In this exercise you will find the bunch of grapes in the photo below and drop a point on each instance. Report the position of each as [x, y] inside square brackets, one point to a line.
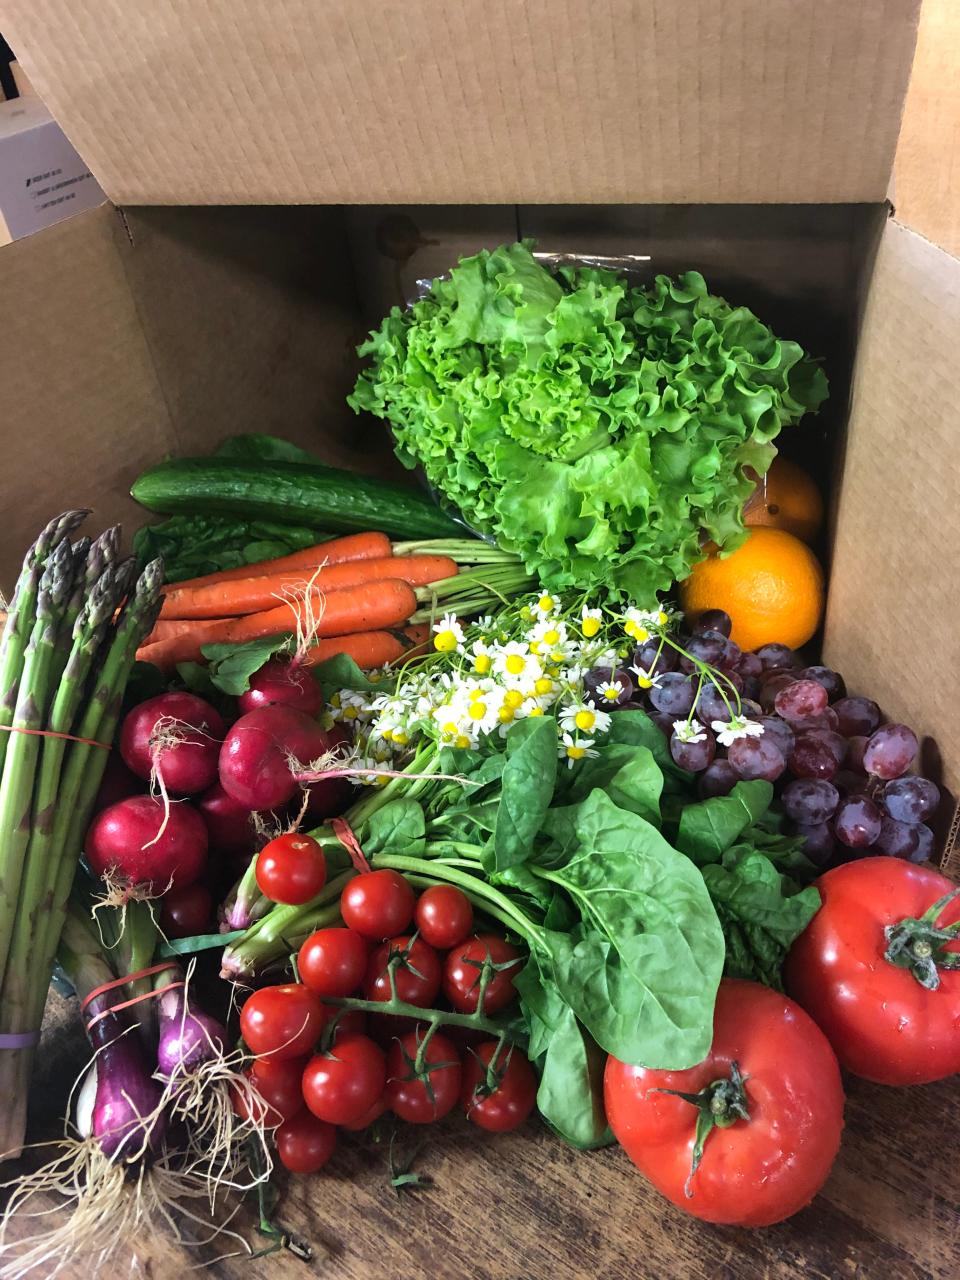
[841, 773]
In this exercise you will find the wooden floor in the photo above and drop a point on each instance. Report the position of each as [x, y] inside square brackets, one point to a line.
[525, 1207]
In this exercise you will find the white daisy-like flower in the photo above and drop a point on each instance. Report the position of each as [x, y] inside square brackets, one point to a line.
[514, 663]
[482, 657]
[610, 691]
[544, 606]
[591, 620]
[645, 679]
[547, 635]
[689, 730]
[736, 727]
[486, 623]
[575, 749]
[639, 624]
[483, 702]
[449, 634]
[583, 717]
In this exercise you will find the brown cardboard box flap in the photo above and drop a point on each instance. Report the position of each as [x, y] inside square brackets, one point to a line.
[433, 101]
[892, 610]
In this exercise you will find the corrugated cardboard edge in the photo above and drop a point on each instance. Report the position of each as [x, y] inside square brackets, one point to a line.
[475, 101]
[891, 622]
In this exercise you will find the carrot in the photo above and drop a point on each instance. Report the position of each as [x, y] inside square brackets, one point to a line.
[250, 595]
[367, 648]
[372, 606]
[186, 646]
[355, 546]
[167, 628]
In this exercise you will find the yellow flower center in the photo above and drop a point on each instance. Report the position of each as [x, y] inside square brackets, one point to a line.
[450, 727]
[543, 685]
[381, 780]
[481, 664]
[584, 720]
[545, 604]
[552, 636]
[400, 738]
[557, 655]
[535, 646]
[536, 711]
[611, 694]
[644, 682]
[506, 714]
[590, 627]
[462, 741]
[350, 713]
[515, 664]
[513, 698]
[445, 641]
[576, 753]
[476, 695]
[477, 710]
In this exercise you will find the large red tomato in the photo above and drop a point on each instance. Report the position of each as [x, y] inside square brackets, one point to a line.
[747, 1136]
[875, 969]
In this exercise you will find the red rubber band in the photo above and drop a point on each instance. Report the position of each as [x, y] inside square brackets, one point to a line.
[122, 982]
[344, 832]
[51, 733]
[146, 995]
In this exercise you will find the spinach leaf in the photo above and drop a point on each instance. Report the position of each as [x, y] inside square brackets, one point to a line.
[399, 827]
[232, 665]
[341, 672]
[527, 784]
[636, 729]
[628, 774]
[760, 911]
[541, 1003]
[784, 851]
[641, 970]
[193, 545]
[570, 1097]
[707, 829]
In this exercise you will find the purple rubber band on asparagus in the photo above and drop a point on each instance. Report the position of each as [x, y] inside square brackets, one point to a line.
[19, 1039]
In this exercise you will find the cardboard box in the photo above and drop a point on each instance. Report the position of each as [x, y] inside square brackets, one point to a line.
[753, 140]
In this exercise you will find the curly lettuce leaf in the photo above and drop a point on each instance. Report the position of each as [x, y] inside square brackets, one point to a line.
[596, 429]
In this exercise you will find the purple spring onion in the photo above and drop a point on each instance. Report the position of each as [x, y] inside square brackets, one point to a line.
[188, 1036]
[126, 1116]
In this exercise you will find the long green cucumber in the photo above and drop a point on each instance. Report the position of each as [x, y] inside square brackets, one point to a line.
[293, 493]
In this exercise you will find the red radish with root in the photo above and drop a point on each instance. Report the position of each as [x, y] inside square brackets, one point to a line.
[148, 846]
[230, 825]
[283, 682]
[174, 738]
[265, 753]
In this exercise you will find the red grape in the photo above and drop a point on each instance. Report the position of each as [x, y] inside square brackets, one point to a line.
[890, 751]
[664, 723]
[855, 749]
[924, 844]
[707, 646]
[800, 700]
[674, 695]
[831, 680]
[718, 779]
[661, 657]
[710, 705]
[857, 822]
[819, 843]
[777, 657]
[835, 741]
[810, 800]
[713, 620]
[771, 685]
[911, 799]
[780, 732]
[857, 716]
[850, 780]
[812, 758]
[897, 839]
[693, 756]
[748, 664]
[756, 758]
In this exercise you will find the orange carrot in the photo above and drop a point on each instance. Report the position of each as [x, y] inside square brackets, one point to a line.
[186, 646]
[167, 628]
[367, 648]
[355, 546]
[372, 606]
[250, 595]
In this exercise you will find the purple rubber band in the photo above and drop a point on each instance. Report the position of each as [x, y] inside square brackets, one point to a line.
[19, 1039]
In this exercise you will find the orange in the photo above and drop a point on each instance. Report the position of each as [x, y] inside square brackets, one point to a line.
[786, 498]
[772, 588]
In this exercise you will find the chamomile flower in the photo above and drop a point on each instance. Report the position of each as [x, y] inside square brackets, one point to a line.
[449, 634]
[482, 657]
[584, 717]
[645, 678]
[575, 749]
[737, 727]
[591, 620]
[639, 624]
[689, 730]
[515, 663]
[544, 606]
[548, 638]
[610, 691]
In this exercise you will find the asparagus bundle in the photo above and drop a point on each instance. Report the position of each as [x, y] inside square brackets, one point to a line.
[74, 625]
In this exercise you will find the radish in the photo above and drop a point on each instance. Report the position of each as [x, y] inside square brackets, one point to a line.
[147, 845]
[176, 738]
[283, 682]
[260, 757]
[328, 798]
[117, 784]
[229, 824]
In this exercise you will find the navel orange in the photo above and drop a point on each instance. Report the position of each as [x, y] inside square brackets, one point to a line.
[772, 588]
[786, 498]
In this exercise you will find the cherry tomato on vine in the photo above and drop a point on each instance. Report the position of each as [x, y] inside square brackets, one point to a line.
[874, 969]
[291, 869]
[341, 1085]
[368, 1117]
[350, 1022]
[252, 1108]
[444, 916]
[421, 1092]
[282, 1022]
[278, 1083]
[746, 1137]
[377, 904]
[305, 1144]
[417, 973]
[499, 1089]
[332, 962]
[187, 911]
[464, 969]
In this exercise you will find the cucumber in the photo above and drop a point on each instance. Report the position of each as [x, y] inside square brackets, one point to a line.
[292, 493]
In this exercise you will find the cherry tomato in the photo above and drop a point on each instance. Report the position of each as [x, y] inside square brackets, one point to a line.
[291, 869]
[278, 1083]
[464, 968]
[343, 1084]
[887, 1006]
[187, 911]
[444, 916]
[503, 1101]
[305, 1144]
[368, 1117]
[251, 1107]
[350, 1022]
[417, 974]
[422, 1096]
[378, 904]
[282, 1022]
[770, 1082]
[332, 962]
